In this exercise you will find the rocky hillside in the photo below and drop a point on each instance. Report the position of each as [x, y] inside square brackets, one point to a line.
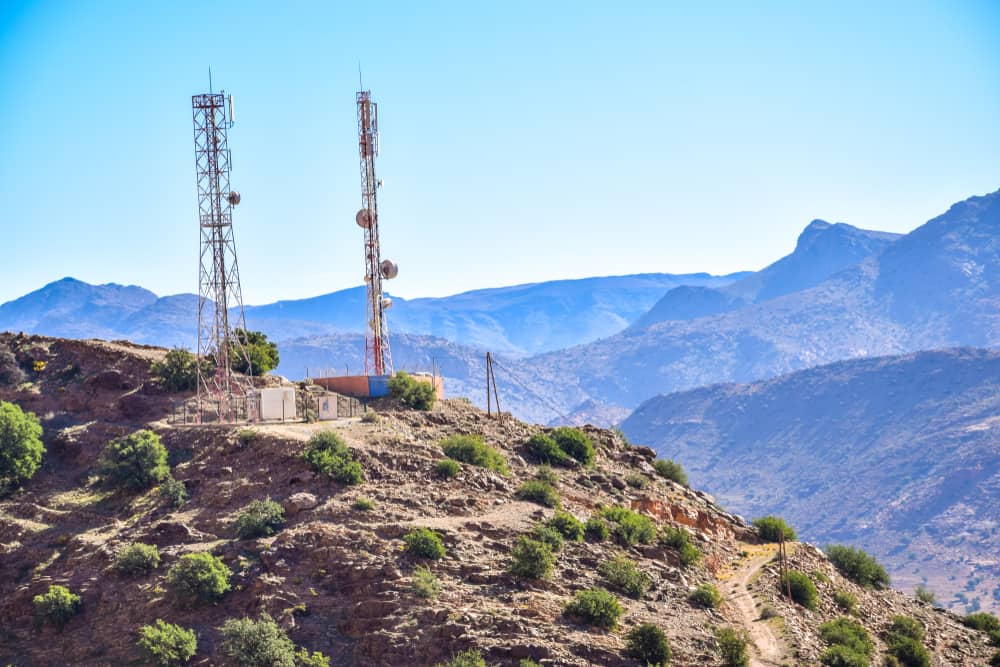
[336, 576]
[899, 454]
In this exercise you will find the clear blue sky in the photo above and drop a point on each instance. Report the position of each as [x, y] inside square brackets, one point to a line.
[520, 141]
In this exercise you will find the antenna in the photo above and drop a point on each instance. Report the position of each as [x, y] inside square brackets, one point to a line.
[210, 79]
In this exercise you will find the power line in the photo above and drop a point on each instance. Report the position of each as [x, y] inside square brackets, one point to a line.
[548, 403]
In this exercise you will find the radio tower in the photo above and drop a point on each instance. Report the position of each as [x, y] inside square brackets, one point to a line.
[219, 276]
[378, 359]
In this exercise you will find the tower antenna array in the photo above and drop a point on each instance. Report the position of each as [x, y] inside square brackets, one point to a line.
[219, 276]
[378, 359]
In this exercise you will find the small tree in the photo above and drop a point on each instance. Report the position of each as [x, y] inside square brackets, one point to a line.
[424, 543]
[56, 606]
[531, 559]
[648, 645]
[411, 392]
[259, 355]
[671, 470]
[595, 607]
[174, 492]
[21, 446]
[136, 461]
[260, 643]
[167, 645]
[771, 528]
[178, 371]
[198, 578]
[327, 453]
[261, 518]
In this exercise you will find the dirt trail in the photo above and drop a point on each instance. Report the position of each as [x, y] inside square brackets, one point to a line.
[767, 650]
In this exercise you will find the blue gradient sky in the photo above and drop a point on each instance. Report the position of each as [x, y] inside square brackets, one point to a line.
[521, 141]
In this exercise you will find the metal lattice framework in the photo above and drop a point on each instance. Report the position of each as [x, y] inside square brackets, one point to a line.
[378, 358]
[219, 276]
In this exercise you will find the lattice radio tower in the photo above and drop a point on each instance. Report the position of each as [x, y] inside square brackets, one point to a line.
[219, 276]
[378, 359]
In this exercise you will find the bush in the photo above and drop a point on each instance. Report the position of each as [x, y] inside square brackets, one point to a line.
[567, 525]
[925, 594]
[670, 470]
[166, 644]
[909, 652]
[678, 538]
[21, 445]
[56, 606]
[803, 589]
[469, 658]
[327, 454]
[839, 655]
[983, 622]
[858, 566]
[252, 353]
[637, 481]
[424, 543]
[732, 646]
[547, 475]
[261, 518]
[247, 436]
[995, 659]
[705, 596]
[846, 601]
[363, 504]
[622, 573]
[575, 443]
[448, 468]
[904, 626]
[772, 527]
[852, 636]
[548, 535]
[137, 558]
[174, 492]
[10, 370]
[370, 417]
[136, 461]
[531, 559]
[648, 645]
[595, 607]
[425, 584]
[178, 371]
[412, 393]
[472, 449]
[545, 450]
[198, 578]
[260, 643]
[596, 529]
[539, 492]
[316, 659]
[630, 527]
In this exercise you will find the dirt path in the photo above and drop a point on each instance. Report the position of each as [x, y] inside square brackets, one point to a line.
[767, 650]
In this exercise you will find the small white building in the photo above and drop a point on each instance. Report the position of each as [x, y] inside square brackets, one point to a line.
[277, 403]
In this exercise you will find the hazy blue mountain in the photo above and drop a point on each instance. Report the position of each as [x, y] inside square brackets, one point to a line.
[898, 454]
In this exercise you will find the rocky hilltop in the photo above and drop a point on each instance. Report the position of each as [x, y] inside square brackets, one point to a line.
[337, 577]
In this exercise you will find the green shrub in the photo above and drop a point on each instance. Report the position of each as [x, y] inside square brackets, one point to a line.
[858, 566]
[245, 436]
[630, 527]
[839, 655]
[706, 596]
[909, 652]
[167, 645]
[850, 634]
[548, 535]
[596, 529]
[995, 659]
[56, 606]
[174, 492]
[261, 518]
[198, 578]
[670, 470]
[424, 543]
[803, 589]
[137, 558]
[327, 454]
[983, 622]
[732, 644]
[574, 443]
[370, 417]
[539, 492]
[925, 594]
[178, 371]
[567, 525]
[846, 601]
[528, 662]
[648, 645]
[21, 445]
[531, 559]
[425, 584]
[637, 481]
[547, 475]
[260, 643]
[411, 392]
[678, 538]
[136, 461]
[315, 659]
[363, 504]
[448, 468]
[772, 527]
[544, 449]
[252, 353]
[469, 658]
[471, 449]
[622, 573]
[904, 626]
[596, 607]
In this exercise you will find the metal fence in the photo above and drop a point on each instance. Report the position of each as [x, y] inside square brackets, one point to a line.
[309, 407]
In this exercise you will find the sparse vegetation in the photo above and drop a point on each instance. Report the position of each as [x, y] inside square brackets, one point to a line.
[198, 578]
[10, 370]
[637, 481]
[648, 645]
[846, 602]
[370, 417]
[471, 449]
[547, 475]
[904, 639]
[622, 573]
[425, 583]
[21, 445]
[247, 435]
[411, 392]
[167, 645]
[252, 353]
[678, 538]
[671, 470]
[984, 622]
[448, 468]
[174, 492]
[706, 596]
[303, 658]
[363, 504]
[849, 643]
[630, 527]
[567, 525]
[257, 643]
[574, 443]
[531, 559]
[537, 491]
[771, 528]
[424, 543]
[596, 607]
[137, 558]
[136, 461]
[925, 594]
[548, 535]
[596, 529]
[858, 566]
[327, 454]
[178, 371]
[261, 518]
[732, 645]
[545, 450]
[469, 658]
[803, 589]
[57, 606]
